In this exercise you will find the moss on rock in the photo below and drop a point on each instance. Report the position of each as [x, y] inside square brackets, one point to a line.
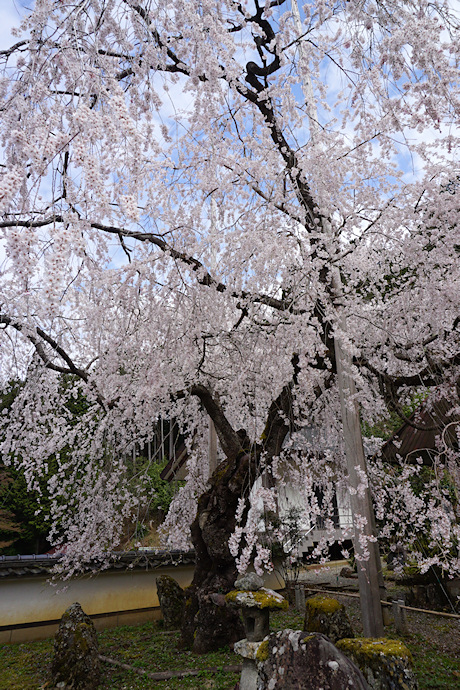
[325, 603]
[262, 652]
[290, 659]
[172, 601]
[76, 655]
[369, 647]
[261, 599]
[328, 616]
[385, 663]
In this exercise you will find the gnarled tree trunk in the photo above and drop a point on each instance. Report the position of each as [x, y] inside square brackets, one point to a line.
[209, 623]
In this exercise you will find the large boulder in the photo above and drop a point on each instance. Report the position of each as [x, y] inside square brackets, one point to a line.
[75, 664]
[172, 601]
[295, 660]
[386, 664]
[328, 616]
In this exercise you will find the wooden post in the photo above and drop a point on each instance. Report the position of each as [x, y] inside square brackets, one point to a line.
[369, 570]
[300, 598]
[171, 439]
[399, 615]
[370, 577]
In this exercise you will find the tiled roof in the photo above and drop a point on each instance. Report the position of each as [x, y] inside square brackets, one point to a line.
[41, 564]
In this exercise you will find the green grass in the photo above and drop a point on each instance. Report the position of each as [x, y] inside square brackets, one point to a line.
[25, 666]
[436, 671]
[146, 647]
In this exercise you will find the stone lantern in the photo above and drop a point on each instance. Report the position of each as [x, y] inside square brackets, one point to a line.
[255, 602]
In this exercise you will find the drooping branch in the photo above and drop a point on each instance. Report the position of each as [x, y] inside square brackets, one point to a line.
[203, 275]
[280, 417]
[263, 103]
[36, 335]
[300, 185]
[429, 376]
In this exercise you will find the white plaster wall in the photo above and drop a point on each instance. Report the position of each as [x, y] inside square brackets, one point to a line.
[33, 599]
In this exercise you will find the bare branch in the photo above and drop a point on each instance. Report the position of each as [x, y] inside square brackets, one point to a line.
[11, 50]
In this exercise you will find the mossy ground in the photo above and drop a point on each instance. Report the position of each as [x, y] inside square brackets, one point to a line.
[25, 666]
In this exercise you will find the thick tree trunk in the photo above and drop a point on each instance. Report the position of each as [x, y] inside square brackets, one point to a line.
[209, 623]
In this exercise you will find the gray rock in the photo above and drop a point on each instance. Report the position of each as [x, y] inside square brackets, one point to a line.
[172, 601]
[295, 660]
[328, 616]
[218, 599]
[386, 664]
[247, 649]
[75, 664]
[250, 582]
[348, 572]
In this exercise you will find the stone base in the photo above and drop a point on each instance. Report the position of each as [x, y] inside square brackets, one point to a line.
[248, 680]
[326, 615]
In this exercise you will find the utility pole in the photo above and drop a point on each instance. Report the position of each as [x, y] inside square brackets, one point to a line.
[370, 578]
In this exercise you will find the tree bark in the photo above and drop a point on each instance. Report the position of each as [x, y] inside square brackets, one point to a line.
[209, 623]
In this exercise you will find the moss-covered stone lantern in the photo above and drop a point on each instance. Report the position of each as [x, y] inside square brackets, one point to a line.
[255, 602]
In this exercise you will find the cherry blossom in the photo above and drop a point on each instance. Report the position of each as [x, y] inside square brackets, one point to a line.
[165, 190]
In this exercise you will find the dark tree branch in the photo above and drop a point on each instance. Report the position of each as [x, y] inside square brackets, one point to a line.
[11, 50]
[229, 439]
[31, 334]
[389, 386]
[37, 336]
[280, 418]
[203, 275]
